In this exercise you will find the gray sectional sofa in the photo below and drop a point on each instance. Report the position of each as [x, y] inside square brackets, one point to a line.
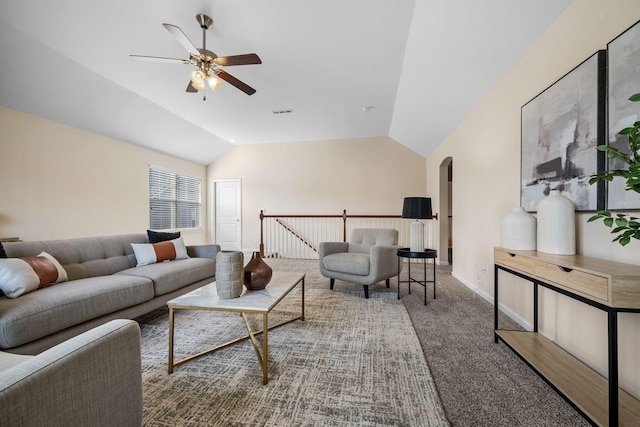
[103, 284]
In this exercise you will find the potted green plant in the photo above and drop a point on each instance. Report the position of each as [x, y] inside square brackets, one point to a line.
[625, 227]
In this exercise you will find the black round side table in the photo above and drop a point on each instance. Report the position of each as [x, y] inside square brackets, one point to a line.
[424, 256]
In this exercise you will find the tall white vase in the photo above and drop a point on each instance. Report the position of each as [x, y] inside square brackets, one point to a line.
[519, 231]
[556, 225]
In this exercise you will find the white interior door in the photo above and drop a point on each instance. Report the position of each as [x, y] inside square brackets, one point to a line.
[228, 217]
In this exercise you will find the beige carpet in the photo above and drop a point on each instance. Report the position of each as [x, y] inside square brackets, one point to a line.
[352, 362]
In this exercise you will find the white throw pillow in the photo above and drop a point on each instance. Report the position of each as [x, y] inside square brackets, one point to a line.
[21, 275]
[151, 253]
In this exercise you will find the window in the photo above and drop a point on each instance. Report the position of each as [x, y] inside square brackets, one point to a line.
[174, 200]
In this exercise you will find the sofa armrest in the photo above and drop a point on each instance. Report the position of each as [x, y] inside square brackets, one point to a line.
[328, 248]
[93, 379]
[384, 261]
[203, 251]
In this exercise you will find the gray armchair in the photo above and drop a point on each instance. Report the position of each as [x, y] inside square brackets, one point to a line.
[369, 257]
[93, 379]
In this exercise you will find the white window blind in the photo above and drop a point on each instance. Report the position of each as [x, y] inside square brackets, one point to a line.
[174, 200]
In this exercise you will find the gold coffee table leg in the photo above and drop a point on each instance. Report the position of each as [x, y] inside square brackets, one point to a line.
[262, 357]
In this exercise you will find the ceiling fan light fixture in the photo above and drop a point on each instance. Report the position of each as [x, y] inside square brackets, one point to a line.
[197, 79]
[213, 82]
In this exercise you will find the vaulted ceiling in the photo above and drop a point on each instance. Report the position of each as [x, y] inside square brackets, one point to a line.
[408, 69]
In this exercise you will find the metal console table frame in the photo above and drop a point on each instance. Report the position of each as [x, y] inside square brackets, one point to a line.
[617, 400]
[424, 256]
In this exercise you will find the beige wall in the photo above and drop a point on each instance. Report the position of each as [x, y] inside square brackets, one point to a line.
[486, 179]
[58, 182]
[363, 176]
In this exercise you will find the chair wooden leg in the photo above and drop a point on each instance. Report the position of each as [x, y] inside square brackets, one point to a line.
[387, 283]
[366, 291]
[331, 281]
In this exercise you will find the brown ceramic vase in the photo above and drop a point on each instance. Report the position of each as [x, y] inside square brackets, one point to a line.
[257, 273]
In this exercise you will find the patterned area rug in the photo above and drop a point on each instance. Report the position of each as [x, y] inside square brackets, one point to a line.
[353, 361]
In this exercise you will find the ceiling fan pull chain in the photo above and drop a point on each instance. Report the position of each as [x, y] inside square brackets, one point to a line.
[204, 89]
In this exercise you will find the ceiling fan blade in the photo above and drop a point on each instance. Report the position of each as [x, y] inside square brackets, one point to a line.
[190, 88]
[183, 39]
[247, 59]
[160, 59]
[235, 82]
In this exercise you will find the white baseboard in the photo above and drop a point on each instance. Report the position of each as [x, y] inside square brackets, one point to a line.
[520, 321]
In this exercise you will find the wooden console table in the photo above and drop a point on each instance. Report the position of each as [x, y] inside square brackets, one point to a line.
[609, 286]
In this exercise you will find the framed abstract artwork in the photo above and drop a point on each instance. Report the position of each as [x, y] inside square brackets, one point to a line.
[561, 128]
[623, 55]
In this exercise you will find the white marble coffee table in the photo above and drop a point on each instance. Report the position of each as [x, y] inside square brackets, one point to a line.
[251, 302]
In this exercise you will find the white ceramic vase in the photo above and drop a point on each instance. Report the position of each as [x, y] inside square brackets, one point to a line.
[556, 225]
[229, 274]
[519, 231]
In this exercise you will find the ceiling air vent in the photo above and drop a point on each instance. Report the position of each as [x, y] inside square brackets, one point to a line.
[287, 111]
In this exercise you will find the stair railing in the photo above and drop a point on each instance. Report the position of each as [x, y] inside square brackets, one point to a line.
[298, 236]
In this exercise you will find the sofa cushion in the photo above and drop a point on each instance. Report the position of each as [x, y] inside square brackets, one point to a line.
[21, 275]
[10, 360]
[52, 309]
[169, 276]
[348, 262]
[151, 253]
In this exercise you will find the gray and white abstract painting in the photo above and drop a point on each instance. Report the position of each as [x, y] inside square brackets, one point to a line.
[623, 81]
[561, 128]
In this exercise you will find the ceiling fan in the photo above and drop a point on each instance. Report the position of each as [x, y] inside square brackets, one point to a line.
[205, 61]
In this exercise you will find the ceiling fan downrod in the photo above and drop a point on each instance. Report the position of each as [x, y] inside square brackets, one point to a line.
[205, 22]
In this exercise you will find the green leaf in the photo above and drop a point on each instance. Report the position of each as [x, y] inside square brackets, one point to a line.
[625, 241]
[635, 97]
[608, 222]
[621, 222]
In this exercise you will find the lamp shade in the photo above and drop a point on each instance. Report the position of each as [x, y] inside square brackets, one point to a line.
[417, 207]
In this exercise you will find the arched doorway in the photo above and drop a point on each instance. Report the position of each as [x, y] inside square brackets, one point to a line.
[446, 223]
